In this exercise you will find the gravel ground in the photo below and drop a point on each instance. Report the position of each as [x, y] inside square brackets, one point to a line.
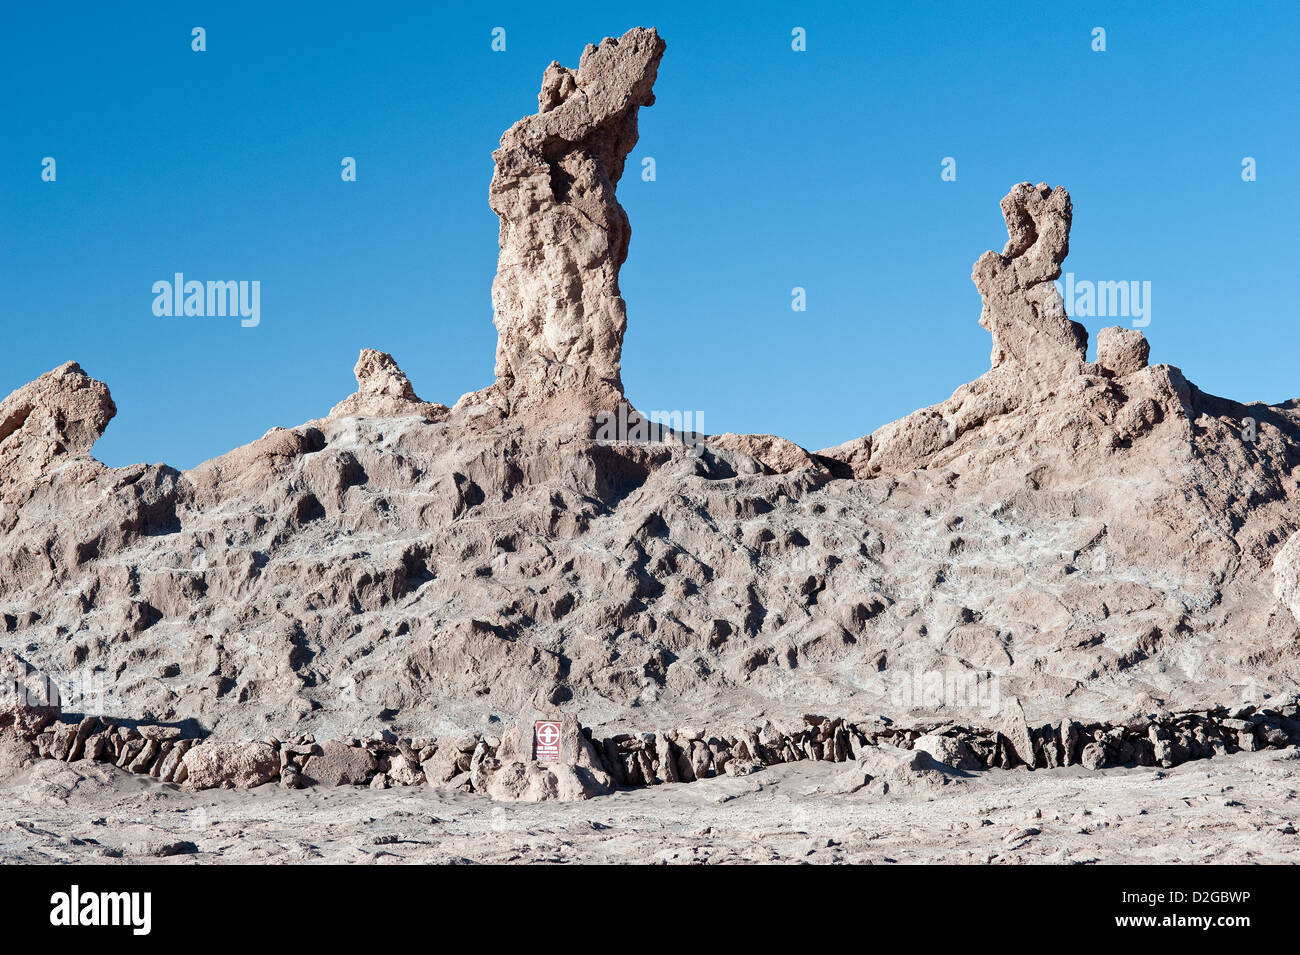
[1234, 809]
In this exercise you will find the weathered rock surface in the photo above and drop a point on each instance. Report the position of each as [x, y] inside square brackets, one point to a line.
[1122, 351]
[777, 454]
[339, 765]
[949, 751]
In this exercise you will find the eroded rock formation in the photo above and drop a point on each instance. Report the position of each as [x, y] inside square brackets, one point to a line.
[1022, 309]
[383, 390]
[1101, 539]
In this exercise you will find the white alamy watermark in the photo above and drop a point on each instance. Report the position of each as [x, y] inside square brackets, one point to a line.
[1085, 298]
[74, 908]
[29, 690]
[944, 689]
[194, 299]
[83, 690]
[654, 427]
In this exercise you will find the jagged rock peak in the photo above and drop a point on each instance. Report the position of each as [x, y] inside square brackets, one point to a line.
[383, 390]
[1022, 309]
[62, 413]
[559, 315]
[377, 374]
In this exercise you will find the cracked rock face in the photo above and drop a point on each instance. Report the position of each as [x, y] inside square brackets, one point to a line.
[560, 317]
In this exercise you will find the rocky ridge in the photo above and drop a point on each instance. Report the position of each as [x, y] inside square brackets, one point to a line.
[1100, 539]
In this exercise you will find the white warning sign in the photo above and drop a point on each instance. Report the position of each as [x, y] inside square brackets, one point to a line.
[546, 740]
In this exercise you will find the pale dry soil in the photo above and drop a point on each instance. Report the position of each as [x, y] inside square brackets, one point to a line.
[1233, 809]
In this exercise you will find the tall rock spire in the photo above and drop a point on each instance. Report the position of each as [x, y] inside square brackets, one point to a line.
[559, 315]
[1022, 309]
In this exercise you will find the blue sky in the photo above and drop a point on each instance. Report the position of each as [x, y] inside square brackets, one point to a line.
[775, 169]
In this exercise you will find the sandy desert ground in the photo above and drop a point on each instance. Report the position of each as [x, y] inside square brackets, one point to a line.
[1235, 809]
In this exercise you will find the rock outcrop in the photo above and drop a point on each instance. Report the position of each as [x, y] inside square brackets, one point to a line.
[1023, 311]
[559, 314]
[1286, 574]
[1041, 404]
[777, 454]
[29, 702]
[57, 417]
[384, 391]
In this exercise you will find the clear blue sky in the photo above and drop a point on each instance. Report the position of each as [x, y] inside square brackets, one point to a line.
[775, 169]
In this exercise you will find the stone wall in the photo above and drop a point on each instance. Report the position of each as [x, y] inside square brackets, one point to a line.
[593, 765]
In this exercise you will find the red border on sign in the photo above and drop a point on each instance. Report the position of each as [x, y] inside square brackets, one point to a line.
[546, 740]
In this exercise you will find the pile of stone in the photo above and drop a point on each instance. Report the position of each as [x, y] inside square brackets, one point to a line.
[636, 759]
[1166, 740]
[504, 767]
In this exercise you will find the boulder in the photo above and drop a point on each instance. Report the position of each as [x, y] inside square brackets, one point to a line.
[1093, 756]
[1017, 741]
[402, 771]
[948, 750]
[1122, 351]
[446, 763]
[384, 391]
[29, 702]
[886, 768]
[230, 765]
[58, 416]
[339, 765]
[515, 775]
